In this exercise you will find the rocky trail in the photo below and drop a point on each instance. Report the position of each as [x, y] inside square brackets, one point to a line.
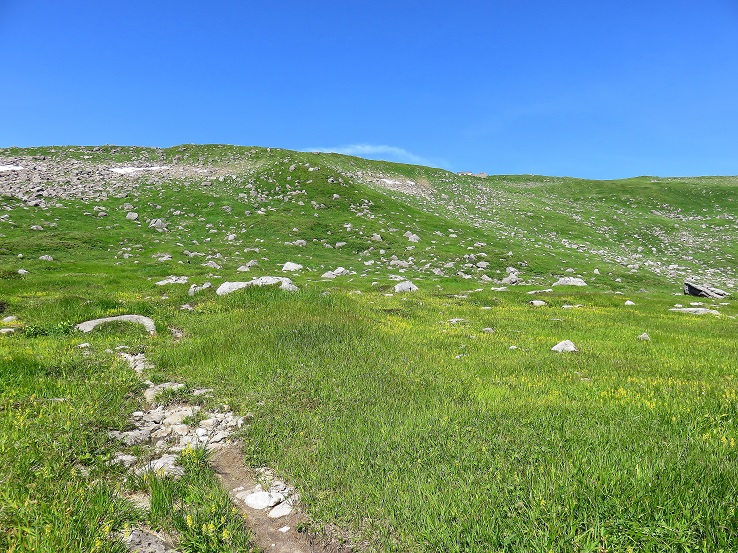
[270, 507]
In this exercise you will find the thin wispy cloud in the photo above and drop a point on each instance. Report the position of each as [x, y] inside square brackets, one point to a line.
[378, 151]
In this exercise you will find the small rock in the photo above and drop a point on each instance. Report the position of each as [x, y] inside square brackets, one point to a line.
[570, 281]
[123, 459]
[695, 310]
[565, 346]
[173, 280]
[194, 289]
[645, 337]
[281, 510]
[258, 500]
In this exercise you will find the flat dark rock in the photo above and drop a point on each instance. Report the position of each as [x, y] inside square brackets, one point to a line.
[703, 290]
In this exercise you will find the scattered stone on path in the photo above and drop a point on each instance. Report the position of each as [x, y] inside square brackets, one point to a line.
[152, 391]
[261, 500]
[405, 286]
[147, 323]
[165, 465]
[281, 510]
[570, 281]
[284, 284]
[565, 346]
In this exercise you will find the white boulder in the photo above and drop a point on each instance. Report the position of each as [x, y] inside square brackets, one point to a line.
[405, 286]
[565, 346]
[284, 284]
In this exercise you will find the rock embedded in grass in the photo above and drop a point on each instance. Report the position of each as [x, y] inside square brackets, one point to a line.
[405, 286]
[173, 280]
[284, 284]
[695, 310]
[194, 289]
[570, 281]
[564, 346]
[147, 323]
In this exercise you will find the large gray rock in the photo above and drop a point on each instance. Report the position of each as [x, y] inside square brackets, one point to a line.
[284, 284]
[147, 323]
[691, 288]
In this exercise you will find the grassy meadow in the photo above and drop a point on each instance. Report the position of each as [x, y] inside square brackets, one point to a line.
[438, 420]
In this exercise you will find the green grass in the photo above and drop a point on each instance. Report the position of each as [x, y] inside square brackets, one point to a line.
[626, 443]
[409, 432]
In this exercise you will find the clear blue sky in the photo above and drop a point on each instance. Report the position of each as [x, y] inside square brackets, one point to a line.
[579, 87]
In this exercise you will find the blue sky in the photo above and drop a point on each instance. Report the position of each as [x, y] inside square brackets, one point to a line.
[580, 88]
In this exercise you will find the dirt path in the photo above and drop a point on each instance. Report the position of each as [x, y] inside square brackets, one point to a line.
[278, 535]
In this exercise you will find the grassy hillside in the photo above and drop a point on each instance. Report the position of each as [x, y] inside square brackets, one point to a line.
[435, 420]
